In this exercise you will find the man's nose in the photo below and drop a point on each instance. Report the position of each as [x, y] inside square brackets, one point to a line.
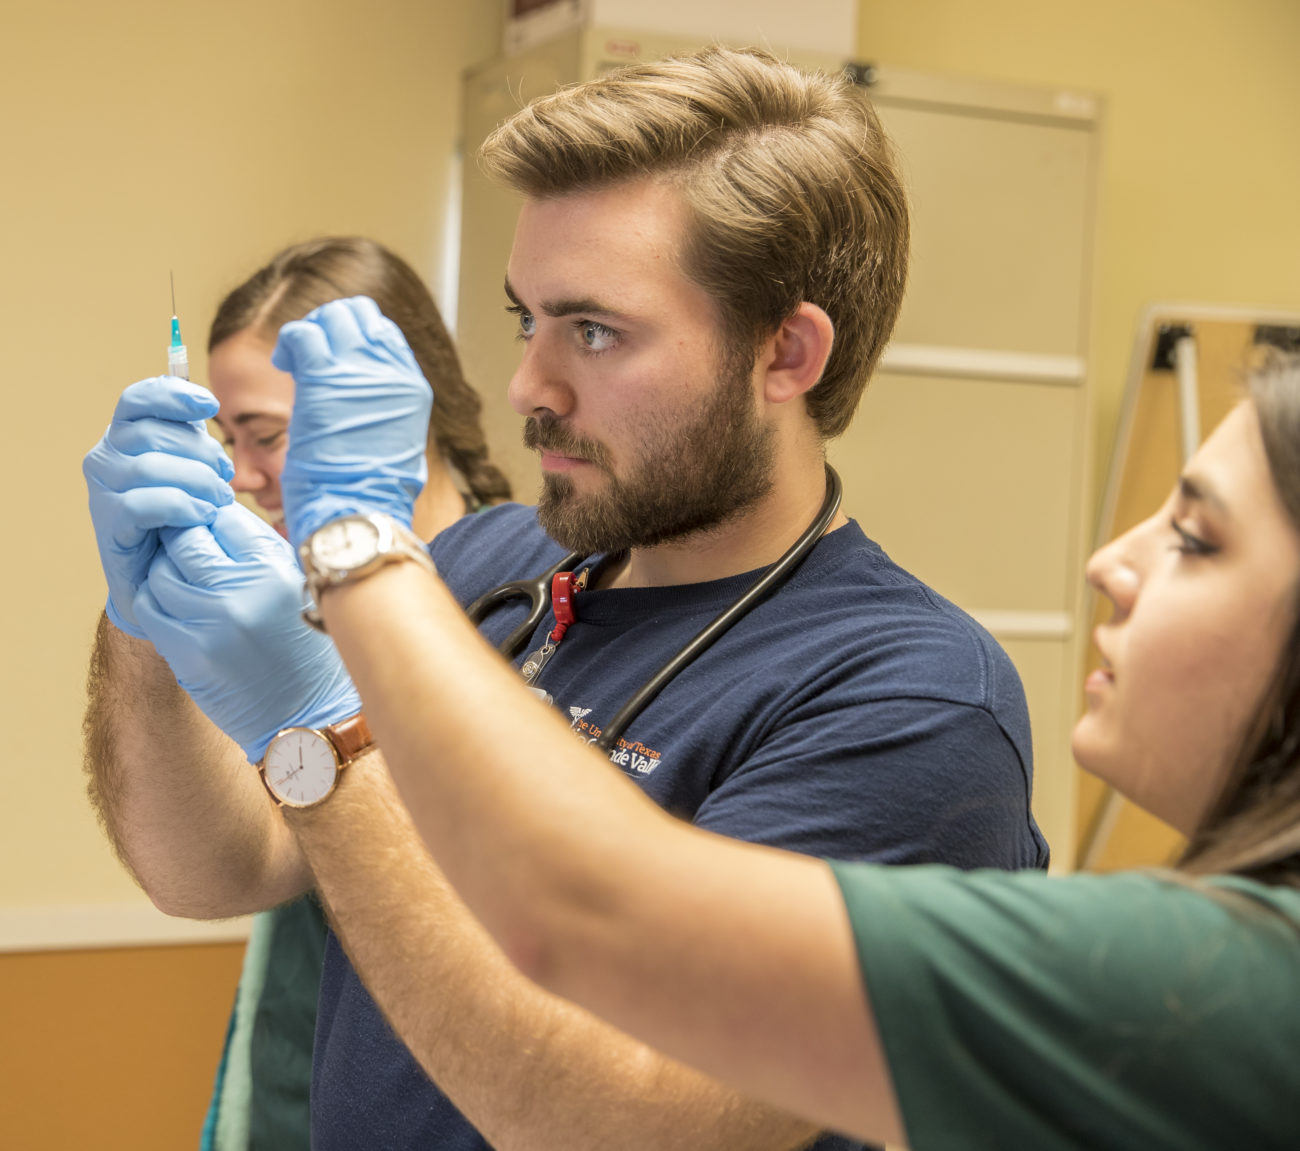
[540, 383]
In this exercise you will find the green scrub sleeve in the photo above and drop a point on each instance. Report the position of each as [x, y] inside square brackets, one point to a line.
[1019, 1010]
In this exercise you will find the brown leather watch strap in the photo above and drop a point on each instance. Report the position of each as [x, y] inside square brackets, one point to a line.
[350, 737]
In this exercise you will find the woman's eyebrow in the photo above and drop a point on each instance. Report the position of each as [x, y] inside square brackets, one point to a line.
[249, 417]
[1195, 490]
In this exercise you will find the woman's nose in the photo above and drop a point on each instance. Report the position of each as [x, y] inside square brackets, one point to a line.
[1113, 571]
[249, 475]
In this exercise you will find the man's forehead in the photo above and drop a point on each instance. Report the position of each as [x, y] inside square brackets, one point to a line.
[641, 217]
[597, 250]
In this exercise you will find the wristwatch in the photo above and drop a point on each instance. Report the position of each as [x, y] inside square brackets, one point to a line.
[352, 547]
[302, 764]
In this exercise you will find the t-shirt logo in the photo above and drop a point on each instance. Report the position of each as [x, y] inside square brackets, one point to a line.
[634, 758]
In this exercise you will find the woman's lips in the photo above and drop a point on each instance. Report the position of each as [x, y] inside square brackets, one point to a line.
[275, 517]
[1098, 681]
[1102, 677]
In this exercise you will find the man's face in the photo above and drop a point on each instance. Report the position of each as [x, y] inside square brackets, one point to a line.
[647, 431]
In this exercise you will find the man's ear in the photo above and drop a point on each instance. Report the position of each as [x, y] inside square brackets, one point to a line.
[798, 353]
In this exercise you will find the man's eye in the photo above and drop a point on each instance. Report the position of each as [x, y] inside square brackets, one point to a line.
[271, 441]
[526, 321]
[596, 337]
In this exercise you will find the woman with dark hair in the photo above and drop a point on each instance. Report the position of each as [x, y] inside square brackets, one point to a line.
[261, 1094]
[924, 1004]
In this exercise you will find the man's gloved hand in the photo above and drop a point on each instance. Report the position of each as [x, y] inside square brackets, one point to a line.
[156, 466]
[221, 605]
[360, 417]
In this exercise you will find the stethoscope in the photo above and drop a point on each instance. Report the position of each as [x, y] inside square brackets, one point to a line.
[538, 593]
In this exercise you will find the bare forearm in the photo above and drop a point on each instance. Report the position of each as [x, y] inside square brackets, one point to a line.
[735, 958]
[183, 808]
[530, 1071]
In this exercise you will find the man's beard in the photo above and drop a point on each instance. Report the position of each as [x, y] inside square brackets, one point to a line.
[687, 478]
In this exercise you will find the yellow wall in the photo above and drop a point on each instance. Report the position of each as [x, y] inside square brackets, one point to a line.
[1199, 178]
[140, 137]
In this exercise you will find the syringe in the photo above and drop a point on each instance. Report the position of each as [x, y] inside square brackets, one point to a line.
[178, 359]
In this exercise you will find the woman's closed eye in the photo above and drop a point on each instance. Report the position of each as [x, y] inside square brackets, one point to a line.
[270, 440]
[1189, 543]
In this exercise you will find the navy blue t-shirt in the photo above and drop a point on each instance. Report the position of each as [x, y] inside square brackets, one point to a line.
[854, 714]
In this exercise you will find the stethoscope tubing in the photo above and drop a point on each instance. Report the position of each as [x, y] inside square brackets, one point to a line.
[538, 593]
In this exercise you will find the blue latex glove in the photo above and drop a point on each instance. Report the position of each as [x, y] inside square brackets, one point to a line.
[360, 419]
[221, 605]
[156, 466]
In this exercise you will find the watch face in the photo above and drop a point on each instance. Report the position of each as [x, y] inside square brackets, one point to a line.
[300, 767]
[345, 543]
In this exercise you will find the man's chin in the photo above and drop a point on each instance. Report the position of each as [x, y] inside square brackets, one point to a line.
[573, 526]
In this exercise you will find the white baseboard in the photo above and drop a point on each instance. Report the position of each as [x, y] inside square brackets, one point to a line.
[1024, 624]
[68, 927]
[983, 363]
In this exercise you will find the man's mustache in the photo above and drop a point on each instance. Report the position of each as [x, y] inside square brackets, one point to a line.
[546, 433]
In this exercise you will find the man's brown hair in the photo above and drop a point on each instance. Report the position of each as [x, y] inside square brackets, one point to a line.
[789, 179]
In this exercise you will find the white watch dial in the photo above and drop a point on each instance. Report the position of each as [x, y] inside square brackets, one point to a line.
[300, 767]
[346, 543]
